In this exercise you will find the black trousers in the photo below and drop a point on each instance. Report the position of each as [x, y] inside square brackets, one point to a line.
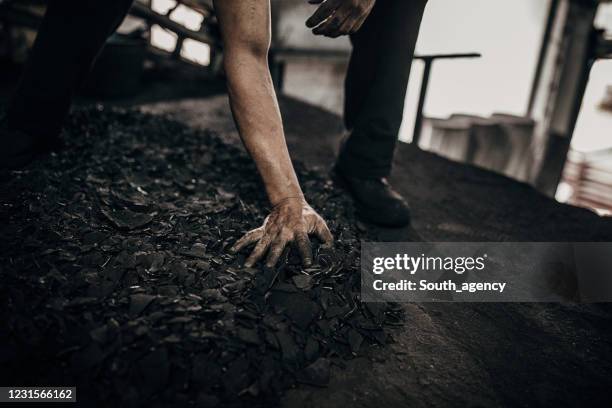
[376, 84]
[69, 38]
[74, 31]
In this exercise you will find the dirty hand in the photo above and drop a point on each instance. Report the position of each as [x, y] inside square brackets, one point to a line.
[290, 221]
[334, 18]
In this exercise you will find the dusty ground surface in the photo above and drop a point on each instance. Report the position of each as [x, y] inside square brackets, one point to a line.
[457, 354]
[110, 285]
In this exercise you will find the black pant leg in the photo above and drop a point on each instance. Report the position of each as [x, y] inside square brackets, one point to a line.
[69, 38]
[376, 84]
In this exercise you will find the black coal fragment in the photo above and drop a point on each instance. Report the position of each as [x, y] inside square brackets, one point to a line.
[355, 339]
[297, 306]
[317, 373]
[198, 250]
[205, 370]
[207, 401]
[236, 377]
[311, 350]
[288, 346]
[154, 369]
[99, 334]
[303, 282]
[85, 359]
[124, 219]
[139, 302]
[248, 336]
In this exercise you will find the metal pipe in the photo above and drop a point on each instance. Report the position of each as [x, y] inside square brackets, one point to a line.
[428, 61]
[418, 123]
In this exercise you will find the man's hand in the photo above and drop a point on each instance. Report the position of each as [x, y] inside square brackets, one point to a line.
[289, 222]
[334, 18]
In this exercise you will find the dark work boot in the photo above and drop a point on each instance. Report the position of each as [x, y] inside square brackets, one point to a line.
[17, 148]
[375, 200]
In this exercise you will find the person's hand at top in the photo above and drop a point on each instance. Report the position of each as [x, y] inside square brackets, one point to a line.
[334, 18]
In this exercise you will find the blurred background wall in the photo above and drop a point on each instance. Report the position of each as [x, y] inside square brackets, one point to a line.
[476, 110]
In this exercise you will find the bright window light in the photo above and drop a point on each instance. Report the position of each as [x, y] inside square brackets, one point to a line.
[162, 6]
[163, 39]
[196, 52]
[187, 17]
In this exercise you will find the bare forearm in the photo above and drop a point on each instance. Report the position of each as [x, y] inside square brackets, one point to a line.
[257, 116]
[245, 26]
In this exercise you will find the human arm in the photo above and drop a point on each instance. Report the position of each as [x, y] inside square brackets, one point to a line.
[245, 27]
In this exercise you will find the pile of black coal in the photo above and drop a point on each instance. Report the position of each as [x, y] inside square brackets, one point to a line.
[116, 276]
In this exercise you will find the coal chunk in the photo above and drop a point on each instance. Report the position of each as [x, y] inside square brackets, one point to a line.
[317, 373]
[124, 219]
